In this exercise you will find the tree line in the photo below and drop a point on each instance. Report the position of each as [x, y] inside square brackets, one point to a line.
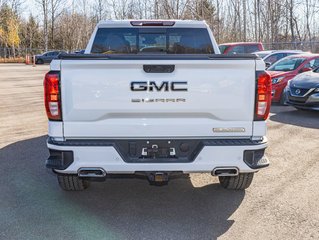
[67, 24]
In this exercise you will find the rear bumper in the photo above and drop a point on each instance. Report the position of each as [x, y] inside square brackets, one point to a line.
[244, 154]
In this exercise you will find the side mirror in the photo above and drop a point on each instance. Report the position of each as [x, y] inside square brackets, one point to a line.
[305, 69]
[268, 64]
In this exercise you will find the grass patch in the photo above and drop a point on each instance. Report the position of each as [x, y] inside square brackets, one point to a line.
[12, 60]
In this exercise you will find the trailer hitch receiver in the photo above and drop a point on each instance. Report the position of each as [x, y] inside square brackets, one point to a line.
[158, 178]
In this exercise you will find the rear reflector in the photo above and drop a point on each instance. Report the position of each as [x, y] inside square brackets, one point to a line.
[52, 99]
[152, 23]
[263, 96]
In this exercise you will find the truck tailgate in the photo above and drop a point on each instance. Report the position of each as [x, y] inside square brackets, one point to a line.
[97, 100]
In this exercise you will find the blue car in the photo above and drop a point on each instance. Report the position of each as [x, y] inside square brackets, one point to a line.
[303, 91]
[47, 57]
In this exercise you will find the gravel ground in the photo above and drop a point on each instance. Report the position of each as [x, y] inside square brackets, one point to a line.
[282, 202]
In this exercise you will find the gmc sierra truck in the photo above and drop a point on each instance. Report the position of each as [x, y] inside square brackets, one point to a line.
[156, 99]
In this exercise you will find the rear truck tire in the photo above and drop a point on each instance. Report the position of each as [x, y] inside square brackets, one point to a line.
[72, 182]
[239, 182]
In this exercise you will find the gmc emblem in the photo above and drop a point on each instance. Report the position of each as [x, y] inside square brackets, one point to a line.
[153, 86]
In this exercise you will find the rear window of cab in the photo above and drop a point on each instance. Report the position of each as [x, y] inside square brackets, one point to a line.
[152, 40]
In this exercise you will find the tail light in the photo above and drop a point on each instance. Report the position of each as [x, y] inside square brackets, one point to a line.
[52, 96]
[263, 96]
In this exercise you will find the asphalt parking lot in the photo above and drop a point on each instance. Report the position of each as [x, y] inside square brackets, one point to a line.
[282, 202]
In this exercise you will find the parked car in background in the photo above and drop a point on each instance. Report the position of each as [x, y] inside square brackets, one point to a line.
[263, 54]
[47, 57]
[240, 47]
[81, 51]
[275, 56]
[303, 90]
[287, 68]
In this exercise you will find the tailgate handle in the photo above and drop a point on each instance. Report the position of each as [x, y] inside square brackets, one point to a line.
[159, 68]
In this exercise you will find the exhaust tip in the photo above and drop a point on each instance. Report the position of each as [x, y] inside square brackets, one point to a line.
[91, 172]
[225, 172]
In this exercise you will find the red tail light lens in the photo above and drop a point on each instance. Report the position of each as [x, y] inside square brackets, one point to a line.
[52, 98]
[263, 96]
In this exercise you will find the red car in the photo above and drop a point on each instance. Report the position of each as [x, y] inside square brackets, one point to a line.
[240, 47]
[287, 68]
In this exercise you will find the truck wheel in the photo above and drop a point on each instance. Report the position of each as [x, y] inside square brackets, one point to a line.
[72, 182]
[240, 182]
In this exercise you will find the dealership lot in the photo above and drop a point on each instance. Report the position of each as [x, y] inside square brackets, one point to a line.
[282, 202]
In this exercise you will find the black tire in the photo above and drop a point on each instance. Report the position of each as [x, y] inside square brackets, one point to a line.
[239, 182]
[72, 182]
[283, 99]
[39, 61]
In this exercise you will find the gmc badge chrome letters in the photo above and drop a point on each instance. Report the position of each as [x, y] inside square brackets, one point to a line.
[152, 86]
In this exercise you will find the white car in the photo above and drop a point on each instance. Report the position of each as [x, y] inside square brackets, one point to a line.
[156, 98]
[264, 53]
[272, 56]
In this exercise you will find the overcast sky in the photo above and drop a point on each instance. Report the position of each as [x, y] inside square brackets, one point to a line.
[31, 6]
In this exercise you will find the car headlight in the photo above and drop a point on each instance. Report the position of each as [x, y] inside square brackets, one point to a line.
[277, 80]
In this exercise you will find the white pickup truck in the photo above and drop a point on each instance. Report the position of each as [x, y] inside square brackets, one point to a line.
[156, 99]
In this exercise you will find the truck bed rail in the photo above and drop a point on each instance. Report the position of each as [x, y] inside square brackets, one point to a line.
[157, 57]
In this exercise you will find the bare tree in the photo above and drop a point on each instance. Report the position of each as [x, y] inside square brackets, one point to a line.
[269, 21]
[244, 20]
[122, 9]
[15, 5]
[100, 9]
[55, 12]
[291, 19]
[44, 4]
